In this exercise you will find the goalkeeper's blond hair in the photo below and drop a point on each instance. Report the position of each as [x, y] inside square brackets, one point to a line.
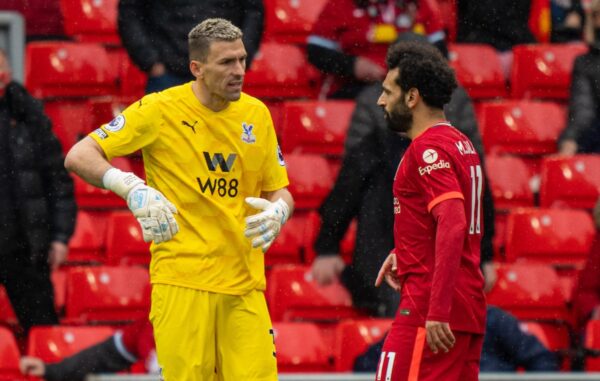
[209, 30]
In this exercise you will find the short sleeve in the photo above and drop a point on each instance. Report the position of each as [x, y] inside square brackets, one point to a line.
[274, 170]
[434, 173]
[135, 128]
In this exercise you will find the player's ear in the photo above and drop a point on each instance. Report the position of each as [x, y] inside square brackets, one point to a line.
[197, 69]
[412, 97]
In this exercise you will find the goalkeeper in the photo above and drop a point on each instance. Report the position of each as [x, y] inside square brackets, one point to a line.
[214, 200]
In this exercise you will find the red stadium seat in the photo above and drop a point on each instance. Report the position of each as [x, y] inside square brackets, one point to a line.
[70, 120]
[293, 295]
[104, 109]
[88, 241]
[592, 344]
[521, 127]
[554, 337]
[7, 314]
[316, 126]
[69, 69]
[91, 21]
[553, 236]
[53, 344]
[310, 179]
[300, 348]
[107, 294]
[292, 243]
[124, 240]
[59, 282]
[132, 81]
[353, 338]
[530, 291]
[478, 69]
[281, 71]
[543, 70]
[572, 182]
[9, 356]
[509, 179]
[291, 21]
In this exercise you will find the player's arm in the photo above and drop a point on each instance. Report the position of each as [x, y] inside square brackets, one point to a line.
[277, 207]
[153, 211]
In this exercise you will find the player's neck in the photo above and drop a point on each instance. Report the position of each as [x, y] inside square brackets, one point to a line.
[422, 121]
[208, 99]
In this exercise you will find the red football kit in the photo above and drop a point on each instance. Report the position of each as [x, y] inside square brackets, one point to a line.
[441, 279]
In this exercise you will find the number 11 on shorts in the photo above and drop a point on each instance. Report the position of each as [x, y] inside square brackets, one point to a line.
[388, 365]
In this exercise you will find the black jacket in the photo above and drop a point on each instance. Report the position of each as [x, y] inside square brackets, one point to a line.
[363, 189]
[42, 188]
[156, 30]
[583, 124]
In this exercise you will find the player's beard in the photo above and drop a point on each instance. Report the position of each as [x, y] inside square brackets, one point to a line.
[400, 118]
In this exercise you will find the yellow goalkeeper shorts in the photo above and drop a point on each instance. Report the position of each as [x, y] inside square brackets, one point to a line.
[205, 336]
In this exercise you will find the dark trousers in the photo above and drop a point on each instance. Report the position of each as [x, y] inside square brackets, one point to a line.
[28, 287]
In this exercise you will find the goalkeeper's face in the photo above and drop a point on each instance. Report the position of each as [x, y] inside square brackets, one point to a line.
[224, 69]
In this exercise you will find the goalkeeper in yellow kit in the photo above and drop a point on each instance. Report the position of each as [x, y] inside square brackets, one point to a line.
[214, 201]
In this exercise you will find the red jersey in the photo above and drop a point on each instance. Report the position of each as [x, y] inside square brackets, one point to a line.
[440, 164]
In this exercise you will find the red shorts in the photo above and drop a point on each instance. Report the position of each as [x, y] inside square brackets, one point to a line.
[407, 357]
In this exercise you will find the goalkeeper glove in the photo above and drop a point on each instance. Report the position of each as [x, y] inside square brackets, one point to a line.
[264, 227]
[152, 210]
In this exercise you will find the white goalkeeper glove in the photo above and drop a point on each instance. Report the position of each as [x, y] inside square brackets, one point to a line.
[152, 210]
[264, 227]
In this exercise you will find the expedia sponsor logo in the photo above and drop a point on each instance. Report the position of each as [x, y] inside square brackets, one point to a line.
[439, 165]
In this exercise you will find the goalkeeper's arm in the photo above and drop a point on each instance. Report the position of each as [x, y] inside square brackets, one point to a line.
[153, 211]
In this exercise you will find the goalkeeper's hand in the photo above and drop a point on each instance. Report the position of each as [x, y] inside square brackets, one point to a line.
[264, 227]
[152, 210]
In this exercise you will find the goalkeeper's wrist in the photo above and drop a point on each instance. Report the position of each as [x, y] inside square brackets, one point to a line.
[120, 182]
[285, 210]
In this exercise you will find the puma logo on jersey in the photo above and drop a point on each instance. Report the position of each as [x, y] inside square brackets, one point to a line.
[192, 126]
[430, 168]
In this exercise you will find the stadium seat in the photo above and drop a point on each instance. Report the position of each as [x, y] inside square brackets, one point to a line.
[572, 182]
[91, 21]
[7, 314]
[107, 294]
[530, 291]
[310, 178]
[131, 80]
[69, 69]
[88, 241]
[291, 21]
[293, 241]
[353, 338]
[292, 294]
[543, 70]
[316, 126]
[9, 356]
[509, 179]
[478, 70]
[592, 345]
[59, 282]
[53, 344]
[70, 120]
[552, 236]
[104, 109]
[521, 127]
[300, 348]
[554, 337]
[124, 240]
[281, 71]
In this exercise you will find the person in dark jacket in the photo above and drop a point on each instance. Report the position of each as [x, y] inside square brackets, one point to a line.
[363, 189]
[37, 205]
[506, 348]
[582, 133]
[154, 32]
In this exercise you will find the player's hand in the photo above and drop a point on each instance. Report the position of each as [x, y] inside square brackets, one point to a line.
[264, 227]
[367, 71]
[439, 336]
[32, 366]
[57, 254]
[389, 272]
[327, 268]
[154, 213]
[489, 276]
[568, 147]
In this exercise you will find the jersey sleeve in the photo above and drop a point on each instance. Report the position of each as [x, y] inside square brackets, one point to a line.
[135, 128]
[274, 170]
[434, 173]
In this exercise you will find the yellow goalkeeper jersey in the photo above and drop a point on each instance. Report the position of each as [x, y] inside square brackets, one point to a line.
[206, 163]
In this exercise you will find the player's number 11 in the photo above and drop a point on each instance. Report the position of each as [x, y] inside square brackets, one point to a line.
[476, 185]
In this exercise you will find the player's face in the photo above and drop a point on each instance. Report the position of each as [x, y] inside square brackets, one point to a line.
[224, 69]
[393, 101]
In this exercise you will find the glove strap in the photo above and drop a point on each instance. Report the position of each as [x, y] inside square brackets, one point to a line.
[285, 210]
[120, 182]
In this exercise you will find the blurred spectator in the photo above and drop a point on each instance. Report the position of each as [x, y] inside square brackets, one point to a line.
[350, 39]
[43, 18]
[37, 206]
[154, 32]
[586, 296]
[582, 133]
[567, 21]
[506, 348]
[363, 189]
[119, 352]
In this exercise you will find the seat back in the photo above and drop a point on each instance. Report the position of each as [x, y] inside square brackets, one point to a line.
[291, 21]
[572, 182]
[53, 344]
[310, 178]
[88, 241]
[91, 21]
[478, 70]
[353, 338]
[124, 240]
[300, 348]
[9, 356]
[510, 181]
[592, 344]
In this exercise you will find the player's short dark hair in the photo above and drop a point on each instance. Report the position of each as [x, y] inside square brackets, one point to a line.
[207, 31]
[422, 67]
